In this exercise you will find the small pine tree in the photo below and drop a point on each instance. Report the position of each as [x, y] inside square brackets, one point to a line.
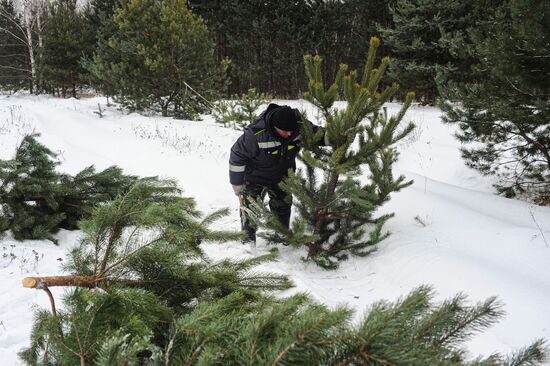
[36, 201]
[224, 112]
[241, 110]
[503, 112]
[333, 206]
[249, 103]
[154, 53]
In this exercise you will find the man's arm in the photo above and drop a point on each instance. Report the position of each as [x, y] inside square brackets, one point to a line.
[242, 151]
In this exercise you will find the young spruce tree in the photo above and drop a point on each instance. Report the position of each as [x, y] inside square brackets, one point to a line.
[334, 207]
[36, 201]
[28, 186]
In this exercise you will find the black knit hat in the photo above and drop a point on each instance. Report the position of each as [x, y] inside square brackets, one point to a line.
[284, 118]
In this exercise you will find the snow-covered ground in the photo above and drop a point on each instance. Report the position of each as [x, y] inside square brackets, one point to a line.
[450, 230]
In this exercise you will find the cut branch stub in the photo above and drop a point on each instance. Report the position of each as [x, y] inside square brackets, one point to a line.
[80, 281]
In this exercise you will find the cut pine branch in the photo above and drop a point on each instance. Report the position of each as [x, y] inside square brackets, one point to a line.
[79, 281]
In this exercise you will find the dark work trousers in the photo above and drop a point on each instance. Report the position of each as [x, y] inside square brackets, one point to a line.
[280, 203]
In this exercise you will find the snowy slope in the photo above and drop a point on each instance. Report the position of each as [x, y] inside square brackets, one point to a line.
[450, 230]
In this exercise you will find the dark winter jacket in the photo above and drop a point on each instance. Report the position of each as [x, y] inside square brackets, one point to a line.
[260, 155]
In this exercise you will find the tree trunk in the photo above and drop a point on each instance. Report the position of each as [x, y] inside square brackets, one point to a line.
[40, 8]
[28, 29]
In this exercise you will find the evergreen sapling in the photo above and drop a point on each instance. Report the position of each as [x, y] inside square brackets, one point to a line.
[334, 207]
[503, 111]
[241, 110]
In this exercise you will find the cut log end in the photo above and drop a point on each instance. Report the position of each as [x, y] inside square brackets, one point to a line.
[30, 282]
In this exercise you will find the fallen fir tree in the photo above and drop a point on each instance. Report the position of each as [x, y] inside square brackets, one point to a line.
[36, 200]
[143, 293]
[335, 208]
